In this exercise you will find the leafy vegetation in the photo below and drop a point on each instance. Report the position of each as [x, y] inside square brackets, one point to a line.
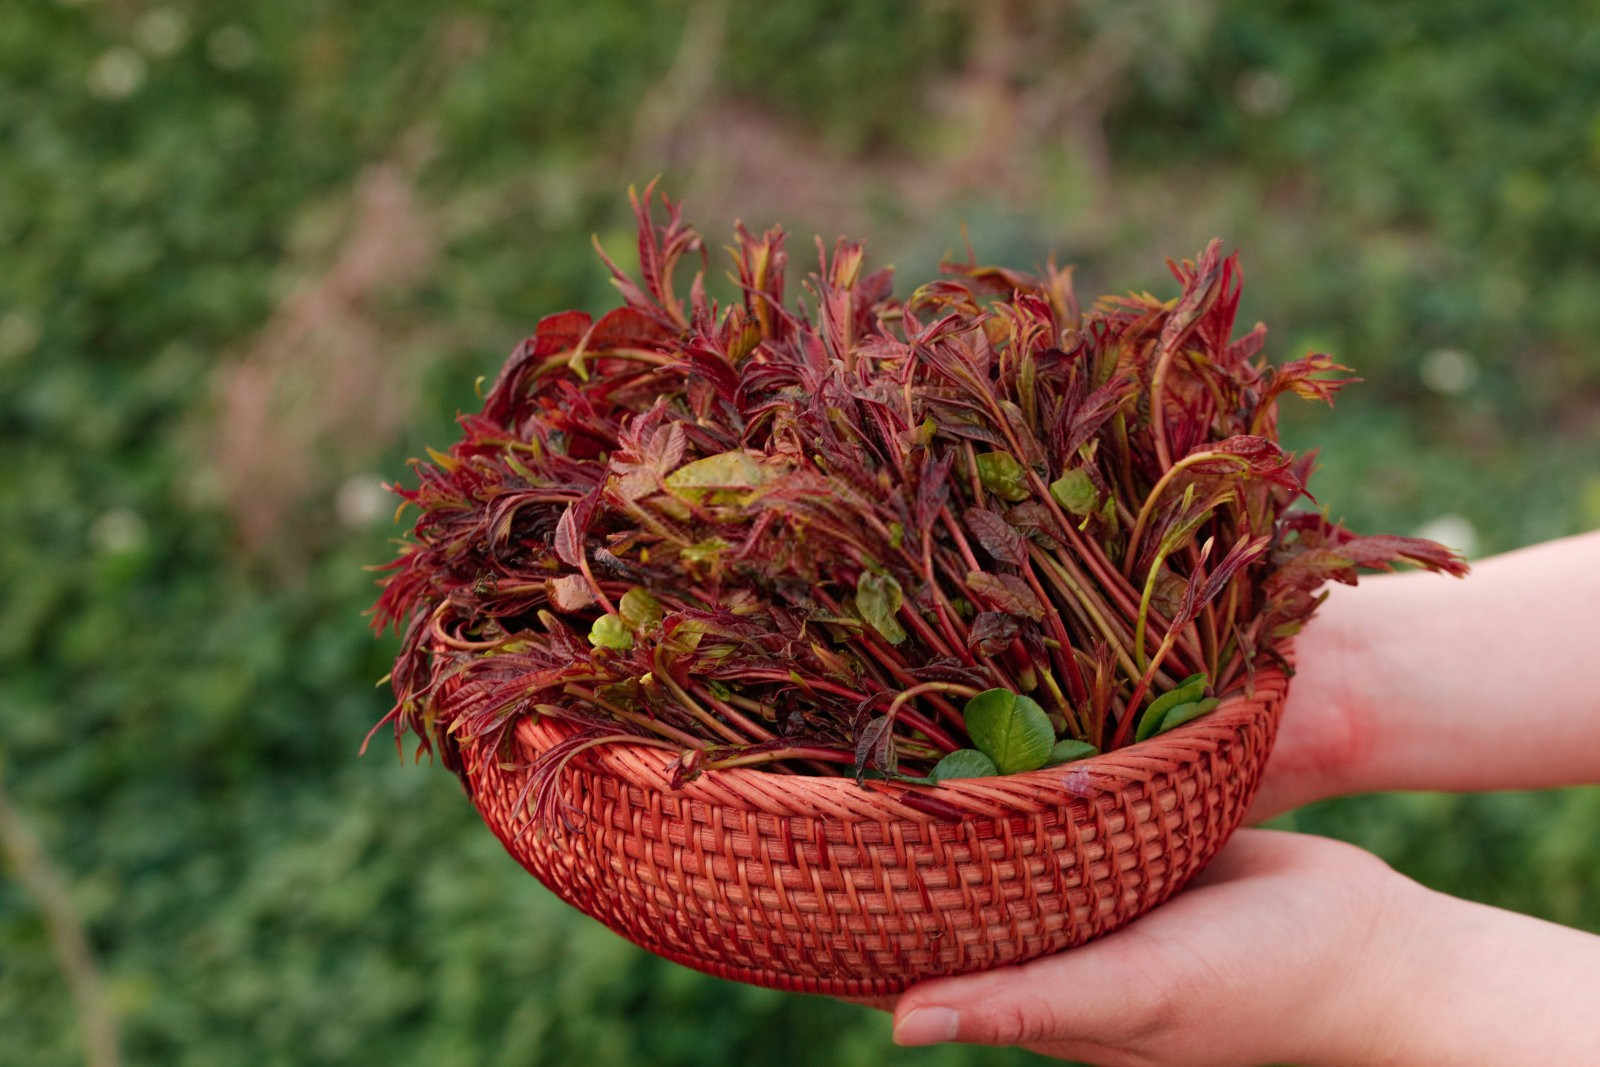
[1411, 186]
[831, 522]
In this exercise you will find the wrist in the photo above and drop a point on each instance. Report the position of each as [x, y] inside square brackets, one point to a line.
[1328, 736]
[1368, 994]
[1368, 679]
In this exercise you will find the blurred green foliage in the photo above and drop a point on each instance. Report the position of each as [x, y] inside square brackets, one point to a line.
[179, 720]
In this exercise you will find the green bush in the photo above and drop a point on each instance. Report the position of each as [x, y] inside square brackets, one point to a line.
[180, 717]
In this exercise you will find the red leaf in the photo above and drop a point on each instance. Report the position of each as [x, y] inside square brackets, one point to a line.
[1191, 603]
[626, 327]
[997, 536]
[554, 333]
[991, 632]
[875, 746]
[1247, 347]
[1096, 410]
[1007, 593]
[933, 489]
[1244, 553]
[1306, 379]
[569, 542]
[1258, 455]
[1200, 290]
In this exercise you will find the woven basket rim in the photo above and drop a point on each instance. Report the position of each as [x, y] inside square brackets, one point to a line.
[842, 797]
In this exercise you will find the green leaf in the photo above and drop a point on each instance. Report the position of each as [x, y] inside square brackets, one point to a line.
[1012, 730]
[1068, 749]
[719, 479]
[964, 763]
[1187, 713]
[1108, 515]
[708, 551]
[609, 631]
[1003, 476]
[878, 599]
[639, 609]
[1190, 689]
[1075, 492]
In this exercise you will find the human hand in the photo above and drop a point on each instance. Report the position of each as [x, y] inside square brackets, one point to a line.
[1295, 948]
[1286, 948]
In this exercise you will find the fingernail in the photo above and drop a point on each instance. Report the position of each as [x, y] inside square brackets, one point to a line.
[926, 1026]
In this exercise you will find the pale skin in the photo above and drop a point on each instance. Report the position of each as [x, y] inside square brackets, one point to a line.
[1293, 948]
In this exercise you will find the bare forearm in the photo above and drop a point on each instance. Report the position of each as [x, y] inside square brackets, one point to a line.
[1489, 986]
[1484, 683]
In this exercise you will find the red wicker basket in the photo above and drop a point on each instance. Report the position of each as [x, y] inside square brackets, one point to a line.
[820, 885]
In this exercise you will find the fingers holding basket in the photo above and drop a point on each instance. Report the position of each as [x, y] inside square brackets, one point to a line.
[1252, 965]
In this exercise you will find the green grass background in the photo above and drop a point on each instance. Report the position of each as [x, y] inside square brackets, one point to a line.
[185, 671]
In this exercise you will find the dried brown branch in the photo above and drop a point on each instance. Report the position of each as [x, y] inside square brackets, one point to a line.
[50, 891]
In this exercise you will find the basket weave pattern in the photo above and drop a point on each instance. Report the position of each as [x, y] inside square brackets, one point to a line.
[818, 885]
